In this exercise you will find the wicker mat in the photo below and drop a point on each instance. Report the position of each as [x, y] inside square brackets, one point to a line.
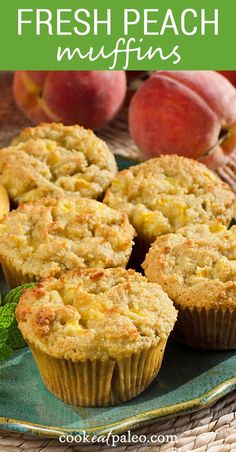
[212, 429]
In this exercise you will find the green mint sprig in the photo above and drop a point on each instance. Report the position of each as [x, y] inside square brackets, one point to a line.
[10, 335]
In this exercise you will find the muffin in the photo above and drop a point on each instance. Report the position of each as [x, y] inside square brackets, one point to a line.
[50, 236]
[55, 160]
[196, 267]
[164, 194]
[97, 336]
[4, 202]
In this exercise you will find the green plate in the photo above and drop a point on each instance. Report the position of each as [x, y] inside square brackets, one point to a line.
[188, 380]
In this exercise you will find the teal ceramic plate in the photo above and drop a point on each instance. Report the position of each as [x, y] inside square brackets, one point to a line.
[188, 380]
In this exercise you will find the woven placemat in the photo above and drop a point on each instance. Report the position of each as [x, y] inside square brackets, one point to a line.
[212, 429]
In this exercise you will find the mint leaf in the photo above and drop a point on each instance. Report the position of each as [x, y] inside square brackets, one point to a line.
[5, 349]
[15, 338]
[5, 352]
[14, 295]
[7, 315]
[10, 335]
[3, 336]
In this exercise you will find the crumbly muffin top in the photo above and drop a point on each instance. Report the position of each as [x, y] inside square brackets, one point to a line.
[95, 314]
[49, 236]
[196, 266]
[169, 192]
[54, 160]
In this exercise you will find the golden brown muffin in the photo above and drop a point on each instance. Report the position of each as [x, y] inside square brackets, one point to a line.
[4, 202]
[49, 236]
[98, 336]
[164, 194]
[54, 160]
[197, 268]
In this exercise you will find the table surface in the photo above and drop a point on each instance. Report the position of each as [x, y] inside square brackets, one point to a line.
[212, 429]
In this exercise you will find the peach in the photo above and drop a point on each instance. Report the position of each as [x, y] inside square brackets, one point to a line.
[88, 98]
[190, 113]
[230, 75]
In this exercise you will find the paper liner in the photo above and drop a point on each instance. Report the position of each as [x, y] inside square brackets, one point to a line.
[15, 277]
[99, 383]
[213, 329]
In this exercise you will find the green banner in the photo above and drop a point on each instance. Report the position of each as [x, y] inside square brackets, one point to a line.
[122, 34]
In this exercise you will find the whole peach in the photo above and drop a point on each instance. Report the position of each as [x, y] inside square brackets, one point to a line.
[190, 113]
[88, 98]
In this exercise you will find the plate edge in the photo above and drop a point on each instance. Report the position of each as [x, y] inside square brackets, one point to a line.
[134, 422]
